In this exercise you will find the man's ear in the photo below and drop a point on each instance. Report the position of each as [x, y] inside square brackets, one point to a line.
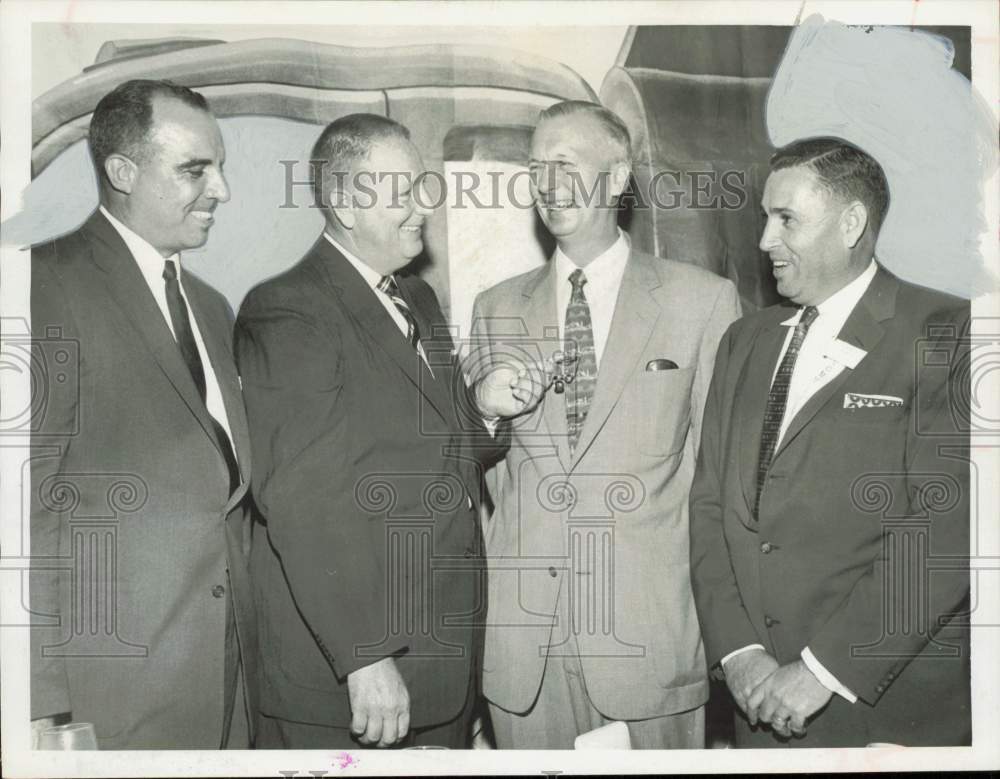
[619, 178]
[853, 222]
[339, 207]
[121, 173]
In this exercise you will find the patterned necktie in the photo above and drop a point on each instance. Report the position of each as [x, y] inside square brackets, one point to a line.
[184, 335]
[777, 399]
[387, 285]
[579, 331]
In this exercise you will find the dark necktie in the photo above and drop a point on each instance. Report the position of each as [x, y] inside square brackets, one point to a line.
[777, 399]
[387, 285]
[184, 336]
[578, 331]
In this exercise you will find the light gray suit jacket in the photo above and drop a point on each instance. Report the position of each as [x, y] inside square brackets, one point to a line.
[591, 550]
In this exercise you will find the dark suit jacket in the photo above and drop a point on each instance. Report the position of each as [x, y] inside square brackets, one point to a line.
[131, 509]
[369, 492]
[858, 506]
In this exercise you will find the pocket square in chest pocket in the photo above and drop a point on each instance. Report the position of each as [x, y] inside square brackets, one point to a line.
[856, 400]
[661, 364]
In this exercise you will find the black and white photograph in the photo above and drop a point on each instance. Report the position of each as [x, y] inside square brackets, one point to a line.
[452, 387]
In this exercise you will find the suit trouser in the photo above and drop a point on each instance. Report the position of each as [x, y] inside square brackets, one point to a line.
[563, 710]
[277, 733]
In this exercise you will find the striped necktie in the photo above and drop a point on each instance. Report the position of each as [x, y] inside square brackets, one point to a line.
[579, 331]
[388, 286]
[777, 399]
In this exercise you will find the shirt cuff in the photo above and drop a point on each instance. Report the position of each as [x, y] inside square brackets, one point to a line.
[739, 651]
[826, 678]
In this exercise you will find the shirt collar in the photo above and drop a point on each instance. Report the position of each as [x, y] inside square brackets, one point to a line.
[843, 301]
[371, 276]
[150, 261]
[604, 267]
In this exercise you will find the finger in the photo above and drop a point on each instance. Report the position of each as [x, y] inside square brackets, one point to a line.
[403, 723]
[359, 721]
[797, 724]
[373, 733]
[753, 704]
[768, 708]
[389, 731]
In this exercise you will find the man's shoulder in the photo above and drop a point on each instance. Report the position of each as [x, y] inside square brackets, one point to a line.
[514, 287]
[63, 249]
[292, 288]
[929, 305]
[682, 273]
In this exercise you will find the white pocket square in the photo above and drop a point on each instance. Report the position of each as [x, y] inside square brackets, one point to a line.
[857, 400]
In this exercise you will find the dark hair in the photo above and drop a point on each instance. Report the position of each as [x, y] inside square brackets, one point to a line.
[123, 118]
[844, 169]
[344, 143]
[612, 125]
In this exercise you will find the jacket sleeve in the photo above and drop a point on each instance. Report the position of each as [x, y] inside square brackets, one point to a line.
[293, 373]
[725, 624]
[937, 502]
[53, 416]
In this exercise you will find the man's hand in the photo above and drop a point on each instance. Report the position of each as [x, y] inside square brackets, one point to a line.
[512, 388]
[745, 671]
[380, 703]
[787, 698]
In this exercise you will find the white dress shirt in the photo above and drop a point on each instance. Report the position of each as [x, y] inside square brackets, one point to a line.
[151, 263]
[372, 277]
[604, 279]
[821, 358]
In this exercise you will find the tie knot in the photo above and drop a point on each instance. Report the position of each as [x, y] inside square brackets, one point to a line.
[577, 279]
[169, 271]
[809, 314]
[387, 284]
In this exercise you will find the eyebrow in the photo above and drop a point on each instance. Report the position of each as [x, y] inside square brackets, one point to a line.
[200, 163]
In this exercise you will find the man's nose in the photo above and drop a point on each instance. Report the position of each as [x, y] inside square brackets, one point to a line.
[218, 188]
[768, 240]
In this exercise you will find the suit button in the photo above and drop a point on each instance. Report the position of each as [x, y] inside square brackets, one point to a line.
[218, 591]
[766, 548]
[770, 621]
[552, 572]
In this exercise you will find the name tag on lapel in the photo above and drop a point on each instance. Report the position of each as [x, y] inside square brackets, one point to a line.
[857, 400]
[845, 353]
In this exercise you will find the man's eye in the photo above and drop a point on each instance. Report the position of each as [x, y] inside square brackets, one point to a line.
[196, 173]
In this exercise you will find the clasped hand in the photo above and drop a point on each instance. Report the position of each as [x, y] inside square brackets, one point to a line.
[380, 703]
[513, 388]
[782, 696]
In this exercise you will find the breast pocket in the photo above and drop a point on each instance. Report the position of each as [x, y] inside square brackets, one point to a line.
[660, 410]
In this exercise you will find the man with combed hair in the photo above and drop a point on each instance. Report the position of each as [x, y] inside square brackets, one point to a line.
[141, 466]
[591, 617]
[833, 480]
[365, 470]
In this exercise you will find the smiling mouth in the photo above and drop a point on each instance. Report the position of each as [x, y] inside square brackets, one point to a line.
[203, 216]
[411, 228]
[558, 205]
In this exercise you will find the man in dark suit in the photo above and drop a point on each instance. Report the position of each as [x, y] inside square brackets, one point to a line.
[365, 472]
[833, 480]
[143, 618]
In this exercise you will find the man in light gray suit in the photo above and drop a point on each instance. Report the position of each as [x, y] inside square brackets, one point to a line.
[591, 617]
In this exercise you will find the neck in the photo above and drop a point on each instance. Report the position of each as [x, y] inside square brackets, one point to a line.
[584, 251]
[118, 208]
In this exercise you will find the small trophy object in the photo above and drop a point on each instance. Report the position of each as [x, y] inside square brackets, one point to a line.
[564, 368]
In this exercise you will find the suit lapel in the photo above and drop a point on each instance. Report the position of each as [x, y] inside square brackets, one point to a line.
[360, 300]
[635, 317]
[439, 349]
[133, 297]
[542, 325]
[754, 386]
[862, 329]
[213, 324]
